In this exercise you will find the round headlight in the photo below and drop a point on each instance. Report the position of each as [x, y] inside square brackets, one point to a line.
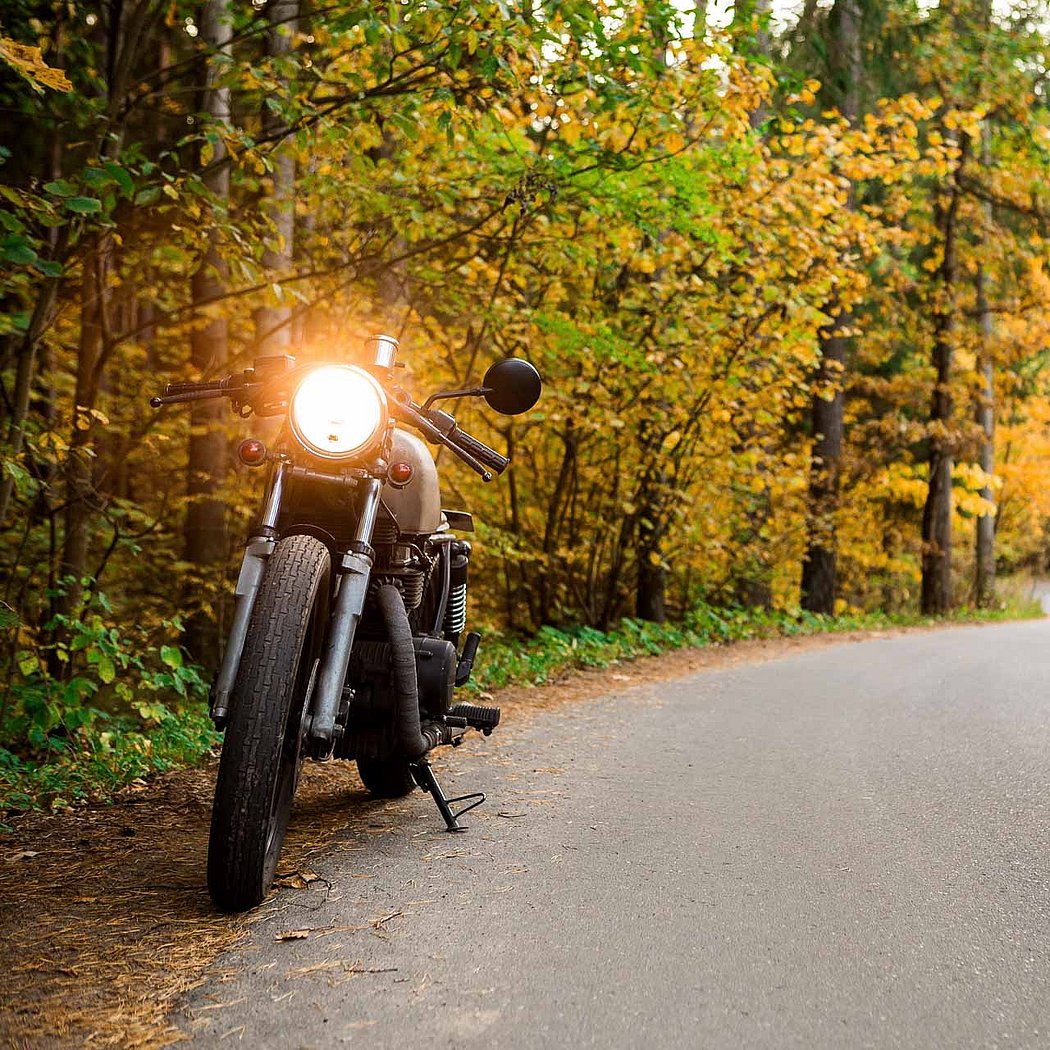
[338, 411]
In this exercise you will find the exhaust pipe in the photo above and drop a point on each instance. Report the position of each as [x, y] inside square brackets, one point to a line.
[415, 742]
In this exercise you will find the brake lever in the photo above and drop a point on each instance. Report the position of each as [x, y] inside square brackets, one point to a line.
[412, 415]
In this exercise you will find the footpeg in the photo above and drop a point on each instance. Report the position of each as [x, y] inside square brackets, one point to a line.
[423, 775]
[476, 716]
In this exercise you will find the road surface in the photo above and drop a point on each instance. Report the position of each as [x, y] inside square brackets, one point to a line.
[847, 847]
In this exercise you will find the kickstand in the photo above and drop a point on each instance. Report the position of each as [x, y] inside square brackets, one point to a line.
[423, 775]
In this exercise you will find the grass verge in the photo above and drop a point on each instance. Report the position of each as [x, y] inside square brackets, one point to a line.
[106, 761]
[553, 652]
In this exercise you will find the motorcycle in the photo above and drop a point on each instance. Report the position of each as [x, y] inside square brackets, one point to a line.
[350, 604]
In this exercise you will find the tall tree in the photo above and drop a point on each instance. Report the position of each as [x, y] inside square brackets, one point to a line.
[273, 331]
[819, 562]
[984, 578]
[206, 542]
[937, 592]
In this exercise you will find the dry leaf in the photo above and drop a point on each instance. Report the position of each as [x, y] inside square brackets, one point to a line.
[292, 935]
[297, 880]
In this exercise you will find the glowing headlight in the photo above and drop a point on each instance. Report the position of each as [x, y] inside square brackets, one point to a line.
[338, 411]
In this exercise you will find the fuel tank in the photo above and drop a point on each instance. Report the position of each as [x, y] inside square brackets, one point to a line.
[417, 507]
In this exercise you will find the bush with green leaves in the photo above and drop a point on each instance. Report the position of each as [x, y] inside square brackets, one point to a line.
[91, 707]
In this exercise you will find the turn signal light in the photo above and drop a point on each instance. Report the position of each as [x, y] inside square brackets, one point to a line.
[252, 452]
[399, 474]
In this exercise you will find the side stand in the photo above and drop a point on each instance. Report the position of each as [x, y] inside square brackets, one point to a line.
[423, 775]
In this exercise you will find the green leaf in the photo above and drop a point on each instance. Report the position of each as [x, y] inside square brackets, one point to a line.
[27, 663]
[97, 177]
[17, 250]
[61, 188]
[84, 205]
[171, 656]
[106, 670]
[408, 126]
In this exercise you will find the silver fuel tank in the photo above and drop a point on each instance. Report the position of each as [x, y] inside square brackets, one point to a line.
[417, 507]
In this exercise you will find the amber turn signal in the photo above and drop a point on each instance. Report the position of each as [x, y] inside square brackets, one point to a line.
[252, 452]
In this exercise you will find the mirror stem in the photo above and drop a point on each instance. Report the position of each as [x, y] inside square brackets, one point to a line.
[478, 391]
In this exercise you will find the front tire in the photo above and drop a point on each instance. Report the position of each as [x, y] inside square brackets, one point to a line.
[262, 752]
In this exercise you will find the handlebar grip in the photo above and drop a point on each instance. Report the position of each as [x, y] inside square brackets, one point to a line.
[186, 395]
[173, 389]
[480, 451]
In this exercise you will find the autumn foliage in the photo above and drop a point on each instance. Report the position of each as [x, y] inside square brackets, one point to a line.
[671, 222]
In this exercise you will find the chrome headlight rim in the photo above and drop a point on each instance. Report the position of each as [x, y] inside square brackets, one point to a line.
[369, 383]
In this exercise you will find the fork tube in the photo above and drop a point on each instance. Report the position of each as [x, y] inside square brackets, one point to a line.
[256, 552]
[272, 506]
[355, 572]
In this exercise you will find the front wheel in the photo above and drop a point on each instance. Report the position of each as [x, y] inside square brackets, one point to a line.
[263, 749]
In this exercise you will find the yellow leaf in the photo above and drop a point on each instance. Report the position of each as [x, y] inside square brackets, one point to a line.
[29, 64]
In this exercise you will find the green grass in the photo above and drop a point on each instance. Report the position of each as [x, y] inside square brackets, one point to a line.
[112, 755]
[116, 752]
[553, 652]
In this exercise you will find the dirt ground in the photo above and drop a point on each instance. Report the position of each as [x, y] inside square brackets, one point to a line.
[104, 917]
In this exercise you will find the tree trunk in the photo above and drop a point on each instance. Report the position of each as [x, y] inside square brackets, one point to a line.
[273, 323]
[756, 12]
[651, 589]
[984, 582]
[819, 566]
[820, 563]
[80, 488]
[43, 314]
[205, 536]
[937, 513]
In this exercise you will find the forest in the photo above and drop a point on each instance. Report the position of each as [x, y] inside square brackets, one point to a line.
[783, 272]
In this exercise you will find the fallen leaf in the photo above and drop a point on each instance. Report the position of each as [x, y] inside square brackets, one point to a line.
[297, 880]
[25, 854]
[292, 935]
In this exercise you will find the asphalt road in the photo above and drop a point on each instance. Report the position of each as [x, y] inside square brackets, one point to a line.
[848, 847]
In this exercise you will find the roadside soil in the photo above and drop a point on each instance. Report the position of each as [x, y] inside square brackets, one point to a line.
[104, 918]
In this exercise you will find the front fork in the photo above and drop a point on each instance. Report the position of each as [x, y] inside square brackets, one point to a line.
[257, 552]
[355, 570]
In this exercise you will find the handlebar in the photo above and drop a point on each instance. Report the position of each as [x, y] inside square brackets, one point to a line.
[229, 386]
[179, 397]
[442, 429]
[479, 450]
[438, 426]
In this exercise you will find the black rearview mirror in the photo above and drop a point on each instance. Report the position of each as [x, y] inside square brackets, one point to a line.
[512, 386]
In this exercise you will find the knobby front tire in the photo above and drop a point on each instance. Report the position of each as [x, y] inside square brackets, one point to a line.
[263, 749]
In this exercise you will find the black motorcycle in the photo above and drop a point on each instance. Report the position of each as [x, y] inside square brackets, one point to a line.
[351, 601]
